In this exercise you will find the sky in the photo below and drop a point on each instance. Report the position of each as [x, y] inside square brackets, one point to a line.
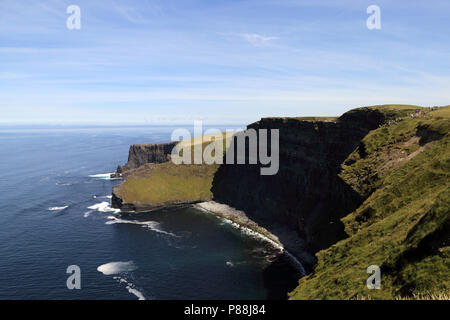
[221, 61]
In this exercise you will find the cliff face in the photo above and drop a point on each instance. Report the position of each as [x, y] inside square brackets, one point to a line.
[369, 188]
[140, 154]
[402, 170]
[306, 195]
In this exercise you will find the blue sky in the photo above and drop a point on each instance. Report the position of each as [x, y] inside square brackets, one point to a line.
[172, 62]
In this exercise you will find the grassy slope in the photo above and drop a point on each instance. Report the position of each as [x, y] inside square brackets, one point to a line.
[403, 224]
[167, 182]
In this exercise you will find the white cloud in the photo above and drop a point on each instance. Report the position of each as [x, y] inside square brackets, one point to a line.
[13, 75]
[256, 40]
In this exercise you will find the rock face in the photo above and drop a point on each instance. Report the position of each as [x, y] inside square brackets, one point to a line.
[118, 174]
[140, 154]
[306, 195]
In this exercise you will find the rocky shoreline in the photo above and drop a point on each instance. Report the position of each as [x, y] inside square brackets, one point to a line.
[291, 245]
[293, 248]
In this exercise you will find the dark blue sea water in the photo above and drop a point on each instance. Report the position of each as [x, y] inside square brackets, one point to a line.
[54, 212]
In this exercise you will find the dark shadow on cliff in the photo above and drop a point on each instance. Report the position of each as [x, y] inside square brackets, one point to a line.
[280, 277]
[303, 203]
[307, 220]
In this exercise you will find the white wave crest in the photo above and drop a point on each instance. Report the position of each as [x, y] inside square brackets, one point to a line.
[87, 213]
[119, 267]
[131, 288]
[152, 225]
[57, 208]
[116, 267]
[102, 176]
[95, 197]
[103, 207]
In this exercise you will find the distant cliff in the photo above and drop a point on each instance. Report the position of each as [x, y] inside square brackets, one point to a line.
[140, 154]
[152, 181]
[154, 186]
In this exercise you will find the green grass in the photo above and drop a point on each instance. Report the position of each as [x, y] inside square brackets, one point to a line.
[167, 182]
[401, 170]
[393, 111]
[399, 225]
[397, 107]
[312, 119]
[443, 112]
[420, 296]
[316, 118]
[155, 184]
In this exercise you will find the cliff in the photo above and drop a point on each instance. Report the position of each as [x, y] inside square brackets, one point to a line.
[371, 187]
[140, 154]
[155, 186]
[153, 181]
[306, 195]
[401, 171]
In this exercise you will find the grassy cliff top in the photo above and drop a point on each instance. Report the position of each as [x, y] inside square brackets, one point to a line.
[205, 139]
[402, 169]
[443, 112]
[167, 182]
[326, 119]
[390, 110]
[397, 107]
[309, 118]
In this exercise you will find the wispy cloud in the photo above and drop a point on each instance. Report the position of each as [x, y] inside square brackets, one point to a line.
[222, 60]
[256, 40]
[131, 14]
[14, 76]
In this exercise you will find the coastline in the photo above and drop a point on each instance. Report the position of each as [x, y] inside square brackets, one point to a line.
[239, 219]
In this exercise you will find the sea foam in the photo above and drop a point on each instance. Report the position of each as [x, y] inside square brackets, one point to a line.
[103, 207]
[57, 208]
[119, 267]
[152, 225]
[116, 267]
[103, 176]
[131, 288]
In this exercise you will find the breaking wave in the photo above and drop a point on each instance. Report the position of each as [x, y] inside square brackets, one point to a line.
[152, 225]
[116, 267]
[95, 197]
[131, 288]
[57, 208]
[103, 207]
[119, 267]
[103, 176]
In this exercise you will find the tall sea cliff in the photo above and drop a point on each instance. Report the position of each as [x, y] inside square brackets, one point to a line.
[334, 186]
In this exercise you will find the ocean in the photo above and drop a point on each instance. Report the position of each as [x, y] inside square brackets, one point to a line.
[55, 212]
